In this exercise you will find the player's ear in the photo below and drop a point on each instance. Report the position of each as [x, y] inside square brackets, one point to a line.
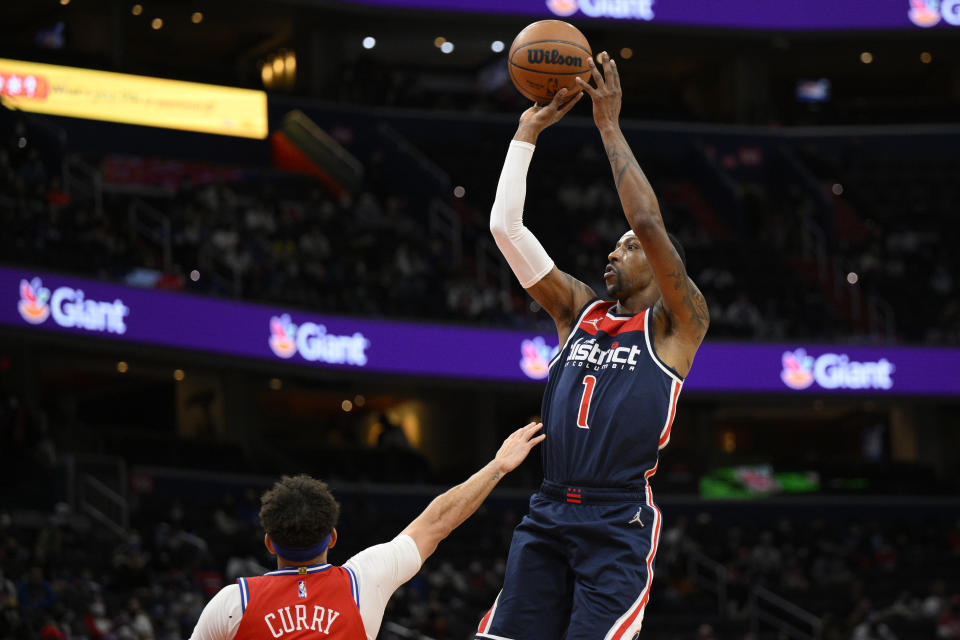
[333, 538]
[268, 543]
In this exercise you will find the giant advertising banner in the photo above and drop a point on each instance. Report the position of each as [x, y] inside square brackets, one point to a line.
[46, 302]
[789, 15]
[129, 99]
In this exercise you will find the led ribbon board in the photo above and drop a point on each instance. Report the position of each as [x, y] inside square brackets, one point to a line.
[130, 99]
[786, 15]
[47, 303]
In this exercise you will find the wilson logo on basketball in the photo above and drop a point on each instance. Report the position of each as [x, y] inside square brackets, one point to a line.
[552, 56]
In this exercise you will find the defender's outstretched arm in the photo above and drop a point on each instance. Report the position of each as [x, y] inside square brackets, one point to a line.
[450, 509]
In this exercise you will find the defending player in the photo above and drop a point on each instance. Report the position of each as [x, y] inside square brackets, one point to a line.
[308, 598]
[581, 562]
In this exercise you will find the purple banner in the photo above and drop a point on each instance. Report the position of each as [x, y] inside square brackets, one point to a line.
[86, 308]
[742, 14]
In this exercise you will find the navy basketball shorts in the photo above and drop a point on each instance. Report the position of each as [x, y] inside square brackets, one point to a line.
[580, 567]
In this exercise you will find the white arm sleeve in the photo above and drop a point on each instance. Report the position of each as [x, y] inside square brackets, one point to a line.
[379, 571]
[221, 617]
[524, 253]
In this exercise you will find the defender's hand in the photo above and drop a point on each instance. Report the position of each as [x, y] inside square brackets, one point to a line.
[606, 96]
[518, 444]
[537, 118]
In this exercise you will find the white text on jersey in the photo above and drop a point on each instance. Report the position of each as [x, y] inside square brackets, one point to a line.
[586, 352]
[297, 621]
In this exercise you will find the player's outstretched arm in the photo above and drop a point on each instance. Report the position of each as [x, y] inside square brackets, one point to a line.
[683, 303]
[449, 510]
[559, 293]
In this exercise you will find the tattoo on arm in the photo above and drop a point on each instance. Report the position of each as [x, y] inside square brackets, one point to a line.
[577, 287]
[693, 301]
[621, 159]
[496, 476]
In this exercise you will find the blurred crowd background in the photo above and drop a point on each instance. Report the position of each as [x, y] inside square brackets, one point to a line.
[812, 177]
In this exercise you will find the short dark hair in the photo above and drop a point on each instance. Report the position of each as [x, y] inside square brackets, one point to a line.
[679, 247]
[299, 511]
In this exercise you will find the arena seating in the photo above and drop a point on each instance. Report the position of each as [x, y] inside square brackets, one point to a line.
[71, 579]
[743, 207]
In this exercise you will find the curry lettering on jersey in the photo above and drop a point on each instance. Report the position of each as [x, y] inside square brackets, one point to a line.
[300, 603]
[609, 403]
[282, 620]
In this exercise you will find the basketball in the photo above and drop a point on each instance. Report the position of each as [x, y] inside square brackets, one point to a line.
[547, 56]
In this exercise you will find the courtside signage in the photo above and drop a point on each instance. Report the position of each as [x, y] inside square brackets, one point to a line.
[46, 303]
[130, 99]
[314, 344]
[786, 15]
[834, 371]
[70, 309]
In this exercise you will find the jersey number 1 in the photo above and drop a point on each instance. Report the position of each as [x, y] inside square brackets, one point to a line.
[589, 382]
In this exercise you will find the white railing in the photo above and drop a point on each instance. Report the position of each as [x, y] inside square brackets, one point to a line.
[403, 632]
[763, 606]
[152, 225]
[83, 179]
[444, 223]
[96, 485]
[710, 575]
[491, 267]
[797, 623]
[104, 505]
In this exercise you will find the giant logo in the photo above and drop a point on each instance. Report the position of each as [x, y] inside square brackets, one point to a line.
[924, 13]
[928, 13]
[314, 344]
[631, 9]
[536, 358]
[33, 301]
[70, 309]
[835, 371]
[797, 370]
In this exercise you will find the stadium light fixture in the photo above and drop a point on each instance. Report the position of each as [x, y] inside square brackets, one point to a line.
[496, 46]
[196, 17]
[926, 58]
[447, 47]
[136, 9]
[866, 57]
[369, 42]
[157, 24]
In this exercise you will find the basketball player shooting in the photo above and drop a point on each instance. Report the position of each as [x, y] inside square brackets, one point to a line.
[308, 598]
[581, 561]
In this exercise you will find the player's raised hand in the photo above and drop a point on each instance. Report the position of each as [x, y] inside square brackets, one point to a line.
[518, 444]
[606, 96]
[540, 117]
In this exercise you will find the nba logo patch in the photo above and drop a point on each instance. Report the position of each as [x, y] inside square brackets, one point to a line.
[302, 590]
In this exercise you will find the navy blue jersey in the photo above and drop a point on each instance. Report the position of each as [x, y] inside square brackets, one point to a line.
[609, 402]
